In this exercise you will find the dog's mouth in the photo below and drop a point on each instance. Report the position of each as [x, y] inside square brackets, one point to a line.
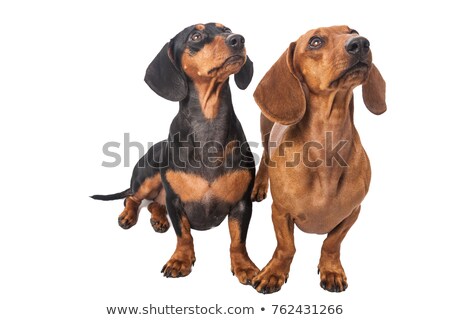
[229, 63]
[358, 69]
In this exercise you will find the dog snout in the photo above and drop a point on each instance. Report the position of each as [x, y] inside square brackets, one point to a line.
[235, 41]
[358, 46]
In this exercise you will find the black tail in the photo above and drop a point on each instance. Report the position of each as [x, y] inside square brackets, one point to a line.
[114, 196]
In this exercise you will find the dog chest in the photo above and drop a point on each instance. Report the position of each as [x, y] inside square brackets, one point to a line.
[189, 187]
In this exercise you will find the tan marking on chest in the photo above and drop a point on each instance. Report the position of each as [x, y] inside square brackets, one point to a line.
[189, 187]
[229, 187]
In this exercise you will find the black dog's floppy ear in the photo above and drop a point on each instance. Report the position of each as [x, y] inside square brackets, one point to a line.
[245, 75]
[374, 92]
[164, 77]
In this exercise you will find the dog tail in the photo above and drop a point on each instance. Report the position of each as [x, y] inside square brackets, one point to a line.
[115, 196]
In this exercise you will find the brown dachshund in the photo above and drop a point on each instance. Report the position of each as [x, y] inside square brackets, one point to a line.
[318, 169]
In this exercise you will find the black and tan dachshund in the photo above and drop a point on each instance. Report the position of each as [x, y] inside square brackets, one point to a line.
[204, 171]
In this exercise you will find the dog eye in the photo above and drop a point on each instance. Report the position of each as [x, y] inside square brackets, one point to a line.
[315, 43]
[196, 37]
[226, 30]
[354, 31]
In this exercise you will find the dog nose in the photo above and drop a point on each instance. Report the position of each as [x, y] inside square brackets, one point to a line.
[235, 41]
[358, 46]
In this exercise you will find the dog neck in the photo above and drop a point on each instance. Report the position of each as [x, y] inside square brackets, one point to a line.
[209, 97]
[209, 110]
[328, 122]
[329, 113]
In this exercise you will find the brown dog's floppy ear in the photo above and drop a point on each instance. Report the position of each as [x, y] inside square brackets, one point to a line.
[245, 75]
[374, 92]
[165, 78]
[280, 94]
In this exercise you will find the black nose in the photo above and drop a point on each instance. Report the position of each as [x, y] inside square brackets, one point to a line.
[235, 41]
[358, 46]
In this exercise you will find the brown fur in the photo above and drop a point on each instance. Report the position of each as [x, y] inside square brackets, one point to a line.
[287, 106]
[158, 220]
[129, 215]
[308, 94]
[182, 260]
[241, 265]
[205, 69]
[229, 187]
[229, 148]
[189, 187]
[150, 189]
[261, 180]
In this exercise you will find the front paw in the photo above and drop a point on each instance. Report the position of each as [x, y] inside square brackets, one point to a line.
[333, 279]
[244, 270]
[270, 279]
[158, 220]
[259, 192]
[178, 267]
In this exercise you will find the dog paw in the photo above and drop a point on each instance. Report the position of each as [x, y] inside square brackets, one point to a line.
[176, 267]
[269, 281]
[333, 280]
[259, 192]
[127, 219]
[160, 225]
[158, 220]
[245, 272]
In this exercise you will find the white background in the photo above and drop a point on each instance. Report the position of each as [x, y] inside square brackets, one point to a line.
[71, 79]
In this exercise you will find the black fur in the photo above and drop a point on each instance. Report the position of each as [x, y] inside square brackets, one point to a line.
[115, 196]
[190, 131]
[164, 77]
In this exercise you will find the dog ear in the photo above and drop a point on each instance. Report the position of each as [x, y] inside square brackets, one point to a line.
[164, 77]
[374, 92]
[280, 94]
[245, 75]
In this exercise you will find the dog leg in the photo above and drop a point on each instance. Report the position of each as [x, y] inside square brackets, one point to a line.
[332, 275]
[261, 186]
[148, 189]
[241, 265]
[129, 215]
[276, 272]
[157, 208]
[182, 260]
[158, 220]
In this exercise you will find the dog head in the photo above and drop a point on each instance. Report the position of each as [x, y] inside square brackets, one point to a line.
[322, 61]
[201, 53]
